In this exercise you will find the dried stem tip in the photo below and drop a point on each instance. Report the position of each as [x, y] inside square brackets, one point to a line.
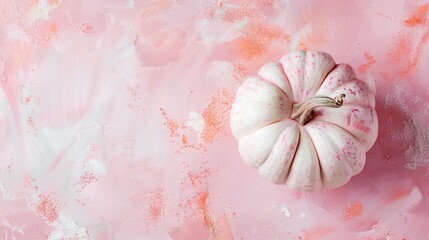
[303, 112]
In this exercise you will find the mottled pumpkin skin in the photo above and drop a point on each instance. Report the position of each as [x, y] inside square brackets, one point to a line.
[323, 153]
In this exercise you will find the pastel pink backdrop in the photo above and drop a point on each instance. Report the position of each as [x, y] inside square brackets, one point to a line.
[114, 119]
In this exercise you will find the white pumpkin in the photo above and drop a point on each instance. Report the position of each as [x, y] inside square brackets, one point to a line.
[306, 121]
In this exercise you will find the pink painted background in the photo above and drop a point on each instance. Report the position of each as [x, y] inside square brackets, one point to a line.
[114, 119]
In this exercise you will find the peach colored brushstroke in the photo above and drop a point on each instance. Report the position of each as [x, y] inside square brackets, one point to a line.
[417, 53]
[364, 67]
[310, 41]
[316, 233]
[224, 231]
[406, 53]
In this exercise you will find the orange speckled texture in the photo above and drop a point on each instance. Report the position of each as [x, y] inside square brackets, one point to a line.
[114, 119]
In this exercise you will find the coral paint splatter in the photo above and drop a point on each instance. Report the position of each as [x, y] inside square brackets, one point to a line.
[364, 67]
[47, 208]
[87, 178]
[216, 116]
[405, 56]
[157, 204]
[418, 17]
[249, 48]
[352, 211]
[412, 65]
[172, 125]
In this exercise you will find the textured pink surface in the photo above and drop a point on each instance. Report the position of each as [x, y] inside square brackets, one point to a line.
[114, 119]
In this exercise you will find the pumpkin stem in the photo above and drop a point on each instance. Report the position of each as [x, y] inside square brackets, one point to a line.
[303, 112]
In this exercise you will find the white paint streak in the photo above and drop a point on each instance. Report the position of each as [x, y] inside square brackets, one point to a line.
[96, 166]
[15, 33]
[205, 34]
[65, 228]
[14, 229]
[196, 122]
[41, 10]
[235, 31]
[4, 193]
[286, 211]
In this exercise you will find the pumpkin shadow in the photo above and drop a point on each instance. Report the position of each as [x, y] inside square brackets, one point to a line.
[390, 163]
[396, 154]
